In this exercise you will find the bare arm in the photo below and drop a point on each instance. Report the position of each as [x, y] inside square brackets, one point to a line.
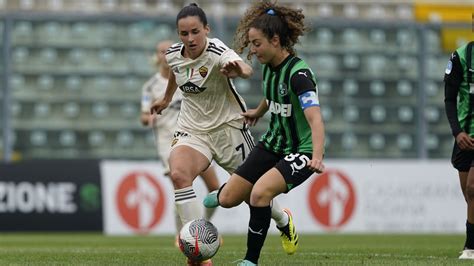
[161, 104]
[315, 121]
[252, 115]
[237, 68]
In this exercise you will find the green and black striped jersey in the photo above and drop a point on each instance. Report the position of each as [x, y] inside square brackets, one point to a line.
[288, 131]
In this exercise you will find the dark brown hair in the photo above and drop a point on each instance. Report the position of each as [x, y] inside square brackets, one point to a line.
[192, 10]
[271, 19]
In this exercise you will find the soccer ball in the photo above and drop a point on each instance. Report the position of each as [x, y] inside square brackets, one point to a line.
[199, 240]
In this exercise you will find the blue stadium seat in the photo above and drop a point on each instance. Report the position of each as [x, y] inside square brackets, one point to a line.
[432, 142]
[21, 55]
[129, 109]
[404, 88]
[324, 87]
[17, 82]
[326, 112]
[22, 31]
[45, 82]
[74, 83]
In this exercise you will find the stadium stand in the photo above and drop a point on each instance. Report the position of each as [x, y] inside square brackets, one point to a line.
[76, 69]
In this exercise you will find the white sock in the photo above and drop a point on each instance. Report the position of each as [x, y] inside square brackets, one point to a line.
[280, 217]
[187, 206]
[177, 221]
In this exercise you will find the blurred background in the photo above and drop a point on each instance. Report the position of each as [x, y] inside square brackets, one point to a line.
[71, 74]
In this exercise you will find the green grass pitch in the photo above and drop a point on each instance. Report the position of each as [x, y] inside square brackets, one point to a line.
[321, 249]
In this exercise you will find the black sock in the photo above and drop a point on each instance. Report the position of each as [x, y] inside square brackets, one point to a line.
[258, 227]
[469, 236]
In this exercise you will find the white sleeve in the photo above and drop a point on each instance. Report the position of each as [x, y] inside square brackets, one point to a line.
[229, 55]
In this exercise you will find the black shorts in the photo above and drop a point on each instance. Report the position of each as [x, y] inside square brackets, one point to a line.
[462, 160]
[292, 166]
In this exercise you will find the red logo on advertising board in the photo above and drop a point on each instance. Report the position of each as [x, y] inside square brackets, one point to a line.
[140, 201]
[332, 199]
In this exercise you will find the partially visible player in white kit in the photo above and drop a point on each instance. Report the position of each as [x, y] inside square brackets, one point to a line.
[210, 125]
[164, 126]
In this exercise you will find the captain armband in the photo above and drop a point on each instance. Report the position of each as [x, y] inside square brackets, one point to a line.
[308, 99]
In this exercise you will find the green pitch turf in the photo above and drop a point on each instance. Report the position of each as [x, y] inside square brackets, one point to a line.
[326, 249]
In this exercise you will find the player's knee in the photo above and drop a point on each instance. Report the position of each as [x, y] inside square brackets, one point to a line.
[259, 197]
[180, 179]
[227, 200]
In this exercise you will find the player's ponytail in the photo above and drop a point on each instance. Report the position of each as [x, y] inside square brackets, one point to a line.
[192, 10]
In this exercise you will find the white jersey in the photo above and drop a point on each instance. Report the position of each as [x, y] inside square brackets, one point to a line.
[209, 98]
[155, 89]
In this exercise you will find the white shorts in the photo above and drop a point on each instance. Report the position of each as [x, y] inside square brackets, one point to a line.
[228, 146]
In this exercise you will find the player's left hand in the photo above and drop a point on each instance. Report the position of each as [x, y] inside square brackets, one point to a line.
[316, 165]
[231, 69]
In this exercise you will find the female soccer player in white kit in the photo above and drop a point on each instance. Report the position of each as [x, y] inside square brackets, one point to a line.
[164, 126]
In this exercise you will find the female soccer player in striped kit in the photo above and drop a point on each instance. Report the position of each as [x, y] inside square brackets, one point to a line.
[210, 124]
[291, 150]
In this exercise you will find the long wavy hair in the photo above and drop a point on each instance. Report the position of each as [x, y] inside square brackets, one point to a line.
[271, 19]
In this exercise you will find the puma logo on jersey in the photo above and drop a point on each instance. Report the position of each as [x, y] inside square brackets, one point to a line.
[190, 87]
[303, 73]
[280, 108]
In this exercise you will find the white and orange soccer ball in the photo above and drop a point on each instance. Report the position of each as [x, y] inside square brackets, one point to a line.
[199, 240]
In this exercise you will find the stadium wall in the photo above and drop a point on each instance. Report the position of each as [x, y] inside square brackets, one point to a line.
[361, 196]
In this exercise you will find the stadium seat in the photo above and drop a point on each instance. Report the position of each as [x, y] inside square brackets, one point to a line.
[432, 89]
[164, 31]
[71, 109]
[27, 4]
[76, 56]
[17, 82]
[350, 87]
[376, 65]
[324, 36]
[100, 109]
[42, 109]
[109, 5]
[377, 141]
[48, 56]
[404, 12]
[38, 138]
[351, 38]
[404, 141]
[351, 113]
[67, 138]
[124, 138]
[376, 11]
[348, 141]
[351, 61]
[377, 88]
[106, 56]
[378, 37]
[378, 113]
[351, 10]
[15, 109]
[96, 138]
[22, 32]
[326, 112]
[243, 85]
[45, 82]
[404, 88]
[431, 142]
[325, 10]
[129, 110]
[405, 114]
[324, 87]
[432, 114]
[74, 83]
[21, 55]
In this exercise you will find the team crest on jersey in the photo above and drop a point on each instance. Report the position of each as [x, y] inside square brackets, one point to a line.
[203, 71]
[190, 87]
[282, 89]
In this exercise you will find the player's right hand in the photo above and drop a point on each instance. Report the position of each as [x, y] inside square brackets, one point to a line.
[158, 106]
[464, 141]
